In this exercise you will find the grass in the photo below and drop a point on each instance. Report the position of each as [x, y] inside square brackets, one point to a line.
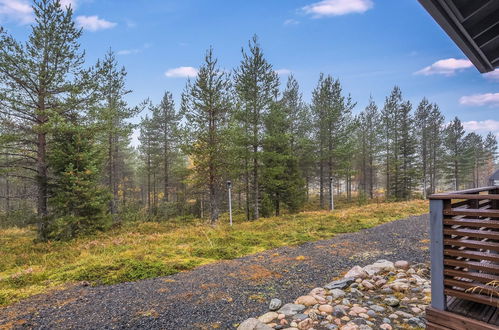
[150, 249]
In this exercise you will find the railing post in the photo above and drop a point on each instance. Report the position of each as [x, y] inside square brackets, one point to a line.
[438, 299]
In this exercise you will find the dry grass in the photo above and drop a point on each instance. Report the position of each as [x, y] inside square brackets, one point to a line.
[145, 250]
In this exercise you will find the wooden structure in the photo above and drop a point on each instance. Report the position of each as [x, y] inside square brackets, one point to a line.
[473, 25]
[465, 259]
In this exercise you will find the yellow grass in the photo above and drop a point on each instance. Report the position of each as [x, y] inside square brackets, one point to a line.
[144, 250]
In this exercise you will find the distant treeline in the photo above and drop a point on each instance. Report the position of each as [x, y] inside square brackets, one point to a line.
[65, 140]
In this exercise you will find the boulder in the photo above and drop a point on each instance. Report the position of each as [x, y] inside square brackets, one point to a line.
[356, 272]
[253, 324]
[291, 309]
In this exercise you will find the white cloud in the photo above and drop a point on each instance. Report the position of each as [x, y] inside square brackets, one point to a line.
[94, 23]
[446, 67]
[16, 10]
[282, 71]
[291, 22]
[337, 7]
[182, 72]
[491, 99]
[483, 126]
[494, 75]
[67, 3]
[129, 51]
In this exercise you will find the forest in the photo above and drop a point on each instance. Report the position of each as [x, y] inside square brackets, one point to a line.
[67, 163]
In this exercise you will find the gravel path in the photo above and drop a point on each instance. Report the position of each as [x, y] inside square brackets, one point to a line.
[222, 294]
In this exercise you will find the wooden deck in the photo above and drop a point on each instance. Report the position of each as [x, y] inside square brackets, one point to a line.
[465, 259]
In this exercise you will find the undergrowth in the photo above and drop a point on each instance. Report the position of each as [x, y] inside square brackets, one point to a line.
[150, 249]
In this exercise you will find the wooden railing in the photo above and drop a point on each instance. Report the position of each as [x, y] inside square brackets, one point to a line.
[465, 246]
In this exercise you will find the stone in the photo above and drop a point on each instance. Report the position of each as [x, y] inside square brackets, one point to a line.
[404, 314]
[365, 327]
[356, 272]
[402, 264]
[380, 282]
[350, 326]
[275, 304]
[368, 285]
[268, 317]
[377, 308]
[385, 326]
[386, 320]
[253, 324]
[391, 301]
[281, 316]
[340, 284]
[356, 293]
[337, 293]
[300, 317]
[417, 322]
[339, 311]
[306, 301]
[305, 324]
[364, 315]
[291, 309]
[358, 309]
[359, 321]
[371, 313]
[319, 294]
[393, 316]
[326, 309]
[378, 267]
[416, 310]
[386, 291]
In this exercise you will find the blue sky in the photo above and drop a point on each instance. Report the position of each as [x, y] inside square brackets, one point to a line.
[370, 45]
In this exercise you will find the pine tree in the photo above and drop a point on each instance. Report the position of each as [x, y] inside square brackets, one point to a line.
[78, 201]
[112, 116]
[435, 149]
[257, 88]
[368, 136]
[332, 123]
[207, 103]
[149, 149]
[406, 171]
[42, 80]
[282, 181]
[456, 159]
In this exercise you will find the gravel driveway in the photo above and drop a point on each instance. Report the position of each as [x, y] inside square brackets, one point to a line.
[222, 294]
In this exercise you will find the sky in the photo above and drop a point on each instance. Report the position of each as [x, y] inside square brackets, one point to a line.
[369, 45]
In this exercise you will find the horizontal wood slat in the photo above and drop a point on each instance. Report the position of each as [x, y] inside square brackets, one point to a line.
[472, 244]
[477, 255]
[493, 213]
[472, 233]
[473, 223]
[485, 266]
[479, 277]
[482, 299]
[480, 288]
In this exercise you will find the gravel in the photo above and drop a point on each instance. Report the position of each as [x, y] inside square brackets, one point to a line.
[224, 293]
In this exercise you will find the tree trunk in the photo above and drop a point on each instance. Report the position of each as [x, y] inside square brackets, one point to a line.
[42, 183]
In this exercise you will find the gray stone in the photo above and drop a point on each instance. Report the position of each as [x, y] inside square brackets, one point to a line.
[345, 302]
[359, 321]
[253, 324]
[275, 304]
[417, 322]
[404, 314]
[339, 311]
[330, 326]
[291, 309]
[356, 293]
[371, 313]
[387, 320]
[337, 293]
[356, 272]
[386, 291]
[340, 284]
[391, 301]
[377, 308]
[365, 327]
[300, 317]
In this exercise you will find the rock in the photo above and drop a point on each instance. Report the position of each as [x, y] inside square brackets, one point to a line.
[300, 317]
[350, 326]
[378, 267]
[364, 315]
[386, 291]
[368, 285]
[306, 300]
[365, 327]
[401, 264]
[385, 326]
[331, 326]
[377, 308]
[358, 309]
[319, 294]
[371, 313]
[337, 293]
[391, 301]
[416, 310]
[345, 301]
[386, 320]
[275, 304]
[281, 316]
[356, 293]
[356, 272]
[359, 321]
[404, 314]
[380, 282]
[393, 316]
[340, 284]
[253, 324]
[268, 317]
[291, 309]
[305, 324]
[339, 311]
[326, 309]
